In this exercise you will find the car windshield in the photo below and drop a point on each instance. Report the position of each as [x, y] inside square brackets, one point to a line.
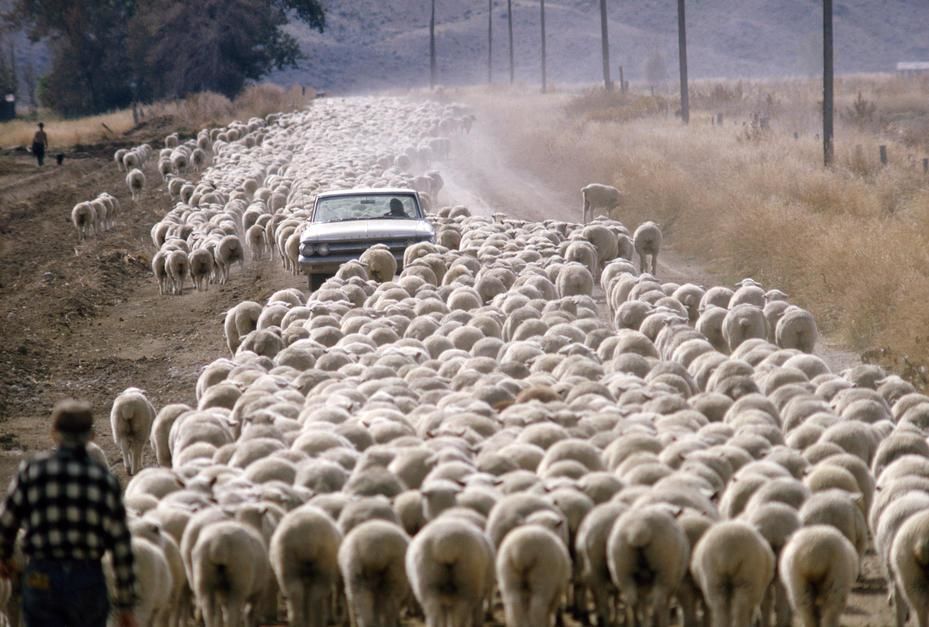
[367, 207]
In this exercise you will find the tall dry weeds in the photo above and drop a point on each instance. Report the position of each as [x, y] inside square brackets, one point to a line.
[850, 243]
[189, 114]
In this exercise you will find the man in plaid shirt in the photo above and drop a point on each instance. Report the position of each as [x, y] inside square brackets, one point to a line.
[72, 510]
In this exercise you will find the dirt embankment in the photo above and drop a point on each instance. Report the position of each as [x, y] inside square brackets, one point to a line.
[86, 319]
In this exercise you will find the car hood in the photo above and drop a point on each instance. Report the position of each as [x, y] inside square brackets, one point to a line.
[366, 230]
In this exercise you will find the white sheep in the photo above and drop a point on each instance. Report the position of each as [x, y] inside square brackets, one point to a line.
[155, 583]
[230, 573]
[598, 196]
[228, 251]
[380, 263]
[909, 564]
[647, 243]
[733, 565]
[304, 556]
[135, 181]
[590, 547]
[796, 328]
[647, 553]
[744, 322]
[200, 262]
[533, 570]
[372, 562]
[450, 566]
[574, 279]
[818, 568]
[83, 218]
[131, 421]
[178, 269]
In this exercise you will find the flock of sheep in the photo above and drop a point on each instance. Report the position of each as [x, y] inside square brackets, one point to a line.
[521, 414]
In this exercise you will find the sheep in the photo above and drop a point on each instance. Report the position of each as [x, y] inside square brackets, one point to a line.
[131, 419]
[155, 583]
[257, 239]
[200, 262]
[135, 181]
[83, 218]
[177, 268]
[647, 554]
[380, 263]
[118, 158]
[239, 322]
[372, 562]
[744, 322]
[733, 565]
[230, 572]
[598, 196]
[304, 553]
[796, 328]
[228, 251]
[574, 279]
[818, 567]
[647, 243]
[909, 565]
[590, 547]
[450, 566]
[533, 569]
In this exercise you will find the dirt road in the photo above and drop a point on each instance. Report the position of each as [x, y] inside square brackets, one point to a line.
[86, 319]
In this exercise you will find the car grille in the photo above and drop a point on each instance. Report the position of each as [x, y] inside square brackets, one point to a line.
[396, 245]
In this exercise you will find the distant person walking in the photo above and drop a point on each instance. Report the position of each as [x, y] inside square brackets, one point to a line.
[72, 510]
[40, 144]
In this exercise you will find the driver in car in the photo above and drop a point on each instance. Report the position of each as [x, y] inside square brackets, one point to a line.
[396, 209]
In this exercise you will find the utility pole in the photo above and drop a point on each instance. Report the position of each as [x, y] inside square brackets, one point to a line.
[509, 19]
[605, 41]
[682, 52]
[828, 94]
[433, 68]
[544, 78]
[490, 41]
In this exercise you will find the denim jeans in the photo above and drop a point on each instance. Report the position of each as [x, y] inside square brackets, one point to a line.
[62, 593]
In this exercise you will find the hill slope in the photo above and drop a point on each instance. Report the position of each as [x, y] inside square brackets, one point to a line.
[371, 44]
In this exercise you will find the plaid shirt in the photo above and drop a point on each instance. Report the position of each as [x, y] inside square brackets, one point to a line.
[72, 509]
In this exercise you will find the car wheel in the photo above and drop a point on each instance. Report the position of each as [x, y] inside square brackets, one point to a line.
[316, 281]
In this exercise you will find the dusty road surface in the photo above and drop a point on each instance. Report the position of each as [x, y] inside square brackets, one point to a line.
[86, 319]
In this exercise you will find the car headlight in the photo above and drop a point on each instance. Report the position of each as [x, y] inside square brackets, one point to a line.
[322, 249]
[308, 250]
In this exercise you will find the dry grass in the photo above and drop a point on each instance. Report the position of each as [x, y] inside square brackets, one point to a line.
[66, 133]
[851, 243]
[193, 112]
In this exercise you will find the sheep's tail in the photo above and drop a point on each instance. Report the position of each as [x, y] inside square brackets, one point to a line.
[639, 533]
[921, 550]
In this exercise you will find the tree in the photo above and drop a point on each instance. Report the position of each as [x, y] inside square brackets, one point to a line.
[179, 47]
[107, 52]
[7, 69]
[656, 70]
[87, 41]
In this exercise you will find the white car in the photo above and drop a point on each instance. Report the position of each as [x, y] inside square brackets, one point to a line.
[346, 223]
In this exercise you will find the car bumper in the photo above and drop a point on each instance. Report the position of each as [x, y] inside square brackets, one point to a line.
[330, 263]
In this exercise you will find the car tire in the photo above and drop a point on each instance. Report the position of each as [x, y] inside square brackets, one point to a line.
[316, 281]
